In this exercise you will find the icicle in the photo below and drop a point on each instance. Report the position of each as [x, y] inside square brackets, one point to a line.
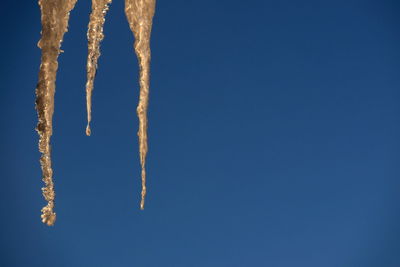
[55, 16]
[95, 36]
[140, 15]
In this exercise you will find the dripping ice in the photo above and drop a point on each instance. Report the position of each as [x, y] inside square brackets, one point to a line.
[95, 36]
[54, 18]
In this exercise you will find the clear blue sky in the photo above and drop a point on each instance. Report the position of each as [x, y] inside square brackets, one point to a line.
[274, 134]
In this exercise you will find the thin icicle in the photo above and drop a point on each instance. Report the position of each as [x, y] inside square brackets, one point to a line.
[95, 36]
[55, 16]
[140, 15]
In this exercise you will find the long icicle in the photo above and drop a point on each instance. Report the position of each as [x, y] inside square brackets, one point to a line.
[140, 15]
[54, 17]
[95, 36]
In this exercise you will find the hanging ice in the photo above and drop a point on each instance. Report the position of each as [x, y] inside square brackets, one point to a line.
[140, 16]
[95, 36]
[55, 15]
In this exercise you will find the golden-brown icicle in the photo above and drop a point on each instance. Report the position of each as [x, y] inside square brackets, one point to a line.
[140, 15]
[95, 36]
[54, 17]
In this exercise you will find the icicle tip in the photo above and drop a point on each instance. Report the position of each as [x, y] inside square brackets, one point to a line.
[88, 131]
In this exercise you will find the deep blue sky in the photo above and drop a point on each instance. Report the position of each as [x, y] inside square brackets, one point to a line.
[274, 132]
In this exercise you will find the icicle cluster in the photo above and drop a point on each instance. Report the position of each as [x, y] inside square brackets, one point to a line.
[54, 17]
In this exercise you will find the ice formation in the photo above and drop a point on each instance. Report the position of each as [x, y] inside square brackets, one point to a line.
[54, 17]
[95, 36]
[140, 16]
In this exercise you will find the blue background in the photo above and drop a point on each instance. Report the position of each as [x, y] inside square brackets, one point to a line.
[274, 134]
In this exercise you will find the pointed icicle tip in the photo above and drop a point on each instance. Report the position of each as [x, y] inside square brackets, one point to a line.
[88, 131]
